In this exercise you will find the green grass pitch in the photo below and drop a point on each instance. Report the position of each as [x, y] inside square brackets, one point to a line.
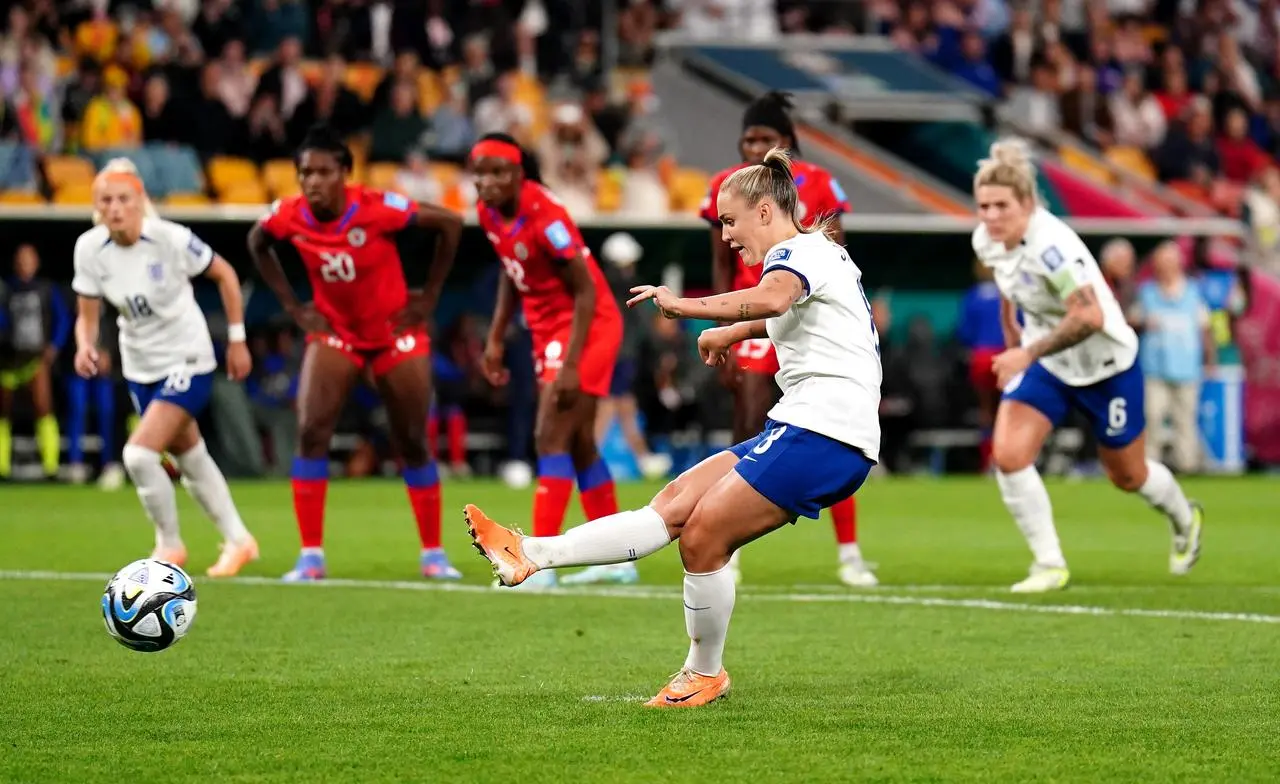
[939, 675]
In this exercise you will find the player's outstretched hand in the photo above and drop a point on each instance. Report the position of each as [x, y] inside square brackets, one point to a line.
[714, 345]
[1009, 364]
[86, 362]
[239, 363]
[309, 319]
[493, 366]
[666, 300]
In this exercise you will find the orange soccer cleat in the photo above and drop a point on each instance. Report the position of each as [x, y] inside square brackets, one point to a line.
[173, 555]
[501, 546]
[689, 689]
[234, 556]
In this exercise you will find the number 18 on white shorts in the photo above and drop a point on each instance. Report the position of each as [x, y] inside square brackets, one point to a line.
[800, 471]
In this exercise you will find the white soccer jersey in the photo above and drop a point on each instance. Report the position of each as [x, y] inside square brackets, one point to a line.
[162, 330]
[828, 350]
[1038, 276]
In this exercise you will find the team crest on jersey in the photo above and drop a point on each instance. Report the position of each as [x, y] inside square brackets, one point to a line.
[156, 270]
[522, 252]
[1052, 258]
[356, 237]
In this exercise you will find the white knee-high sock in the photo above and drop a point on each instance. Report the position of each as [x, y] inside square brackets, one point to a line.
[1164, 493]
[1027, 500]
[205, 482]
[625, 536]
[155, 491]
[708, 606]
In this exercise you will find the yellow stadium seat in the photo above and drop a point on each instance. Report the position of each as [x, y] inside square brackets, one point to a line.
[62, 170]
[186, 200]
[431, 92]
[609, 191]
[280, 177]
[688, 189]
[248, 192]
[226, 173]
[448, 174]
[79, 193]
[362, 79]
[382, 176]
[1132, 160]
[21, 197]
[1084, 164]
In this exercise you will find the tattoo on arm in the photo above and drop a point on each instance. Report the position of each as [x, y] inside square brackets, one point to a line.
[1074, 328]
[744, 311]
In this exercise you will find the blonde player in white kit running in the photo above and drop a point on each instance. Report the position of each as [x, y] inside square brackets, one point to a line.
[1074, 351]
[142, 265]
[821, 440]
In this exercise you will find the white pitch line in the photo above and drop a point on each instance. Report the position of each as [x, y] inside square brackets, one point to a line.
[870, 597]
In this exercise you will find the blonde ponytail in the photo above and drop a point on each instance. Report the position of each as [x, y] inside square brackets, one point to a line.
[773, 178]
[1009, 165]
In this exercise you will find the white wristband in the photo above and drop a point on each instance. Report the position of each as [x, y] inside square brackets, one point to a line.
[235, 333]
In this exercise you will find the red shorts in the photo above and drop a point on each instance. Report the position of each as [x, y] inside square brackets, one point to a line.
[595, 369]
[757, 356]
[981, 376]
[381, 360]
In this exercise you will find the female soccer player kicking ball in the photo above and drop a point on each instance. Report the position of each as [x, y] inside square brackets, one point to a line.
[142, 265]
[822, 439]
[576, 328]
[766, 124]
[1076, 351]
[361, 316]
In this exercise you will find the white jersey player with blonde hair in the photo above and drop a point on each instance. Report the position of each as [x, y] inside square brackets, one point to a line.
[821, 440]
[142, 265]
[1073, 351]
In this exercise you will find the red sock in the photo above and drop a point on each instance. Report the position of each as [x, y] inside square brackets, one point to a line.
[456, 427]
[844, 514]
[433, 435]
[595, 490]
[308, 508]
[549, 505]
[426, 511]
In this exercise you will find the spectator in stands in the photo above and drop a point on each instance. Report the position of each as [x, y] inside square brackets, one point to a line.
[285, 81]
[1176, 348]
[644, 194]
[1118, 261]
[332, 103]
[22, 44]
[608, 118]
[734, 20]
[1139, 120]
[572, 140]
[451, 133]
[979, 329]
[97, 37]
[416, 180]
[342, 27]
[237, 82]
[1174, 96]
[214, 130]
[1241, 157]
[434, 38]
[39, 325]
[38, 119]
[1262, 214]
[637, 28]
[218, 23]
[398, 128]
[405, 68]
[1188, 152]
[1238, 75]
[274, 22]
[1012, 50]
[111, 121]
[268, 139]
[477, 69]
[1036, 105]
[78, 91]
[162, 120]
[1084, 112]
[1110, 74]
[501, 113]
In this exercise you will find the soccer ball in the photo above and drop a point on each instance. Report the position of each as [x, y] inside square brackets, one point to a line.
[149, 605]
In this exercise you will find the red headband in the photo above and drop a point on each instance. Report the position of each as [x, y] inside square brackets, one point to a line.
[496, 148]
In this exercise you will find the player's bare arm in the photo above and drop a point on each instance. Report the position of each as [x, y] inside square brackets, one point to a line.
[448, 227]
[1009, 323]
[495, 344]
[239, 362]
[776, 293]
[268, 265]
[1084, 317]
[714, 343]
[88, 315]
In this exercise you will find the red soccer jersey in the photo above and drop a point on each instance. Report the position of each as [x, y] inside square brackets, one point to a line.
[541, 237]
[820, 196]
[352, 262]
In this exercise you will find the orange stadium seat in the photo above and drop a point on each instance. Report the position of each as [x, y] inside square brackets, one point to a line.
[21, 197]
[1132, 160]
[382, 176]
[226, 172]
[447, 174]
[688, 189]
[186, 200]
[280, 177]
[60, 170]
[1082, 163]
[247, 192]
[362, 79]
[431, 92]
[79, 193]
